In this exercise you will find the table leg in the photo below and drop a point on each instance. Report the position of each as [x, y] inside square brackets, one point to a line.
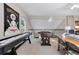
[29, 39]
[13, 51]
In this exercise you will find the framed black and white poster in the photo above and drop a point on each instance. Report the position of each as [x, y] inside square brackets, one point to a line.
[11, 20]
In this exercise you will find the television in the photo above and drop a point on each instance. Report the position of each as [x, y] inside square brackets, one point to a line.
[71, 31]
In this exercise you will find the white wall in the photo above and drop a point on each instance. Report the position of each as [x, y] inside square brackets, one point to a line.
[58, 23]
[42, 23]
[1, 20]
[56, 26]
[23, 15]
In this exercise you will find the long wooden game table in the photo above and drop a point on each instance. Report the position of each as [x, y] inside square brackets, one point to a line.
[10, 43]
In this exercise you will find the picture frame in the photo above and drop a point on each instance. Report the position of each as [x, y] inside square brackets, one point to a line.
[11, 20]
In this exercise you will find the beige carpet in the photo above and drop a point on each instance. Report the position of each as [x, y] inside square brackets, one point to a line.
[36, 49]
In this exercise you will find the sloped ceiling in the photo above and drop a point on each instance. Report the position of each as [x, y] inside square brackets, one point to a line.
[41, 12]
[48, 9]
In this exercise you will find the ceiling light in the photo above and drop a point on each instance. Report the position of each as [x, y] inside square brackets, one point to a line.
[74, 6]
[50, 19]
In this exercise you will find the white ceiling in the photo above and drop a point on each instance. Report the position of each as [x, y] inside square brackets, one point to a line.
[48, 9]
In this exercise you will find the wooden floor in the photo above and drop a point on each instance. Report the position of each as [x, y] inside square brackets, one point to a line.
[36, 49]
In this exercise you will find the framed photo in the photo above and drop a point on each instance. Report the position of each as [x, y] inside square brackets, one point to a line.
[11, 20]
[23, 24]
